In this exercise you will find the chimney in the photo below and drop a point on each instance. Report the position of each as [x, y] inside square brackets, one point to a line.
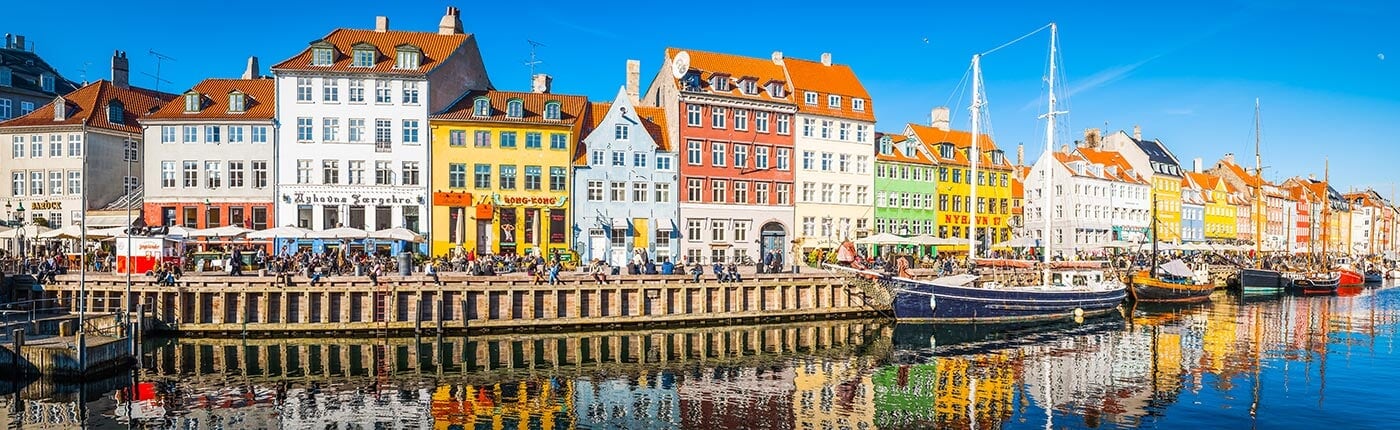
[826, 59]
[1092, 137]
[1312, 177]
[120, 69]
[634, 80]
[540, 83]
[1137, 132]
[1228, 158]
[381, 24]
[1196, 163]
[778, 57]
[1020, 154]
[1064, 149]
[451, 22]
[19, 42]
[251, 72]
[938, 118]
[9, 41]
[60, 109]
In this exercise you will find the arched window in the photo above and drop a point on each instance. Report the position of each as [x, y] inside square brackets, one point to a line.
[481, 106]
[551, 110]
[515, 108]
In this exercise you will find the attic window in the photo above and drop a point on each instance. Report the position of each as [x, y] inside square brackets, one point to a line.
[775, 90]
[809, 97]
[408, 57]
[515, 108]
[322, 56]
[551, 110]
[945, 150]
[719, 82]
[46, 81]
[750, 86]
[858, 104]
[5, 79]
[833, 101]
[481, 106]
[115, 112]
[237, 102]
[997, 156]
[192, 102]
[886, 147]
[363, 57]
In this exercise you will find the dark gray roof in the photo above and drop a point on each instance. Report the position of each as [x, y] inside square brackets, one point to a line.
[1159, 157]
[25, 68]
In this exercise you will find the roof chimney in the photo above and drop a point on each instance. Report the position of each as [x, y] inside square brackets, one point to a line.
[251, 72]
[19, 42]
[1064, 149]
[1228, 158]
[1092, 137]
[1196, 163]
[451, 22]
[1312, 177]
[1020, 154]
[9, 40]
[120, 69]
[60, 109]
[778, 57]
[634, 80]
[540, 83]
[1137, 132]
[826, 59]
[938, 118]
[381, 24]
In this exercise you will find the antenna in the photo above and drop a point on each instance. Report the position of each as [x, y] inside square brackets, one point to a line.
[82, 73]
[534, 61]
[160, 58]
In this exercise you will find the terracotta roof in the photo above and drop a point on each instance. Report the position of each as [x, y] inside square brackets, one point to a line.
[653, 119]
[836, 79]
[1205, 180]
[1111, 158]
[435, 48]
[259, 102]
[1018, 189]
[898, 155]
[1241, 173]
[571, 108]
[88, 106]
[736, 67]
[931, 137]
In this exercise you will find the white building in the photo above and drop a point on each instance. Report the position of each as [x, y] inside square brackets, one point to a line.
[1097, 197]
[354, 106]
[834, 148]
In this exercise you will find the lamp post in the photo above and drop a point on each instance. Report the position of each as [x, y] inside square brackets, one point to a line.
[18, 222]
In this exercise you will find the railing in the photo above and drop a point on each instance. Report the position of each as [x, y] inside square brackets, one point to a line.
[383, 146]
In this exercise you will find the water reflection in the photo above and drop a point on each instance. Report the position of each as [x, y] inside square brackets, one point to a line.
[1266, 362]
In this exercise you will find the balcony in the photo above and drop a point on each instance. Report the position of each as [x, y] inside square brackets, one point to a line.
[383, 145]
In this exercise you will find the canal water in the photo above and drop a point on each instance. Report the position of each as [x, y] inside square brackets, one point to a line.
[1276, 362]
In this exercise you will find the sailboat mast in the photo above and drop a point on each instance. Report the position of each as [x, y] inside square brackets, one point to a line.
[1326, 209]
[974, 155]
[1049, 152]
[1258, 193]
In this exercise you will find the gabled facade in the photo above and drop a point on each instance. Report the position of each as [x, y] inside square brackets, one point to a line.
[1163, 170]
[1251, 200]
[212, 154]
[500, 172]
[731, 118]
[904, 203]
[1130, 196]
[1219, 220]
[950, 151]
[353, 109]
[1193, 208]
[1368, 227]
[625, 184]
[1097, 200]
[90, 137]
[26, 80]
[835, 139]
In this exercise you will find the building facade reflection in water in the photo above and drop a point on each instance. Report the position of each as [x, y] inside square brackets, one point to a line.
[1264, 362]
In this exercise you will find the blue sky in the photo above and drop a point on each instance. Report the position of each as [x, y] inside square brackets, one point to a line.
[1187, 71]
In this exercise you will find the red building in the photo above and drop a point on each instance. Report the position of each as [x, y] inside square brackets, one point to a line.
[732, 119]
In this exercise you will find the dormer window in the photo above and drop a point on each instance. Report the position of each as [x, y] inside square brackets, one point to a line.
[237, 102]
[858, 105]
[408, 57]
[719, 83]
[60, 109]
[886, 145]
[551, 110]
[481, 106]
[749, 86]
[997, 156]
[515, 108]
[46, 81]
[775, 90]
[809, 97]
[115, 112]
[322, 53]
[191, 102]
[5, 77]
[363, 55]
[945, 150]
[833, 101]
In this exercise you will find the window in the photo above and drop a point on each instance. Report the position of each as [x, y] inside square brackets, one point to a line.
[809, 192]
[826, 161]
[330, 172]
[717, 153]
[741, 231]
[330, 129]
[639, 159]
[741, 192]
[692, 115]
[844, 163]
[457, 175]
[532, 140]
[481, 139]
[167, 174]
[845, 196]
[693, 231]
[532, 177]
[663, 191]
[235, 174]
[692, 153]
[862, 195]
[508, 139]
[303, 89]
[515, 108]
[741, 156]
[826, 129]
[213, 176]
[558, 141]
[784, 194]
[617, 191]
[760, 193]
[663, 162]
[784, 121]
[843, 131]
[363, 58]
[481, 106]
[260, 174]
[760, 121]
[808, 160]
[17, 184]
[410, 92]
[383, 133]
[640, 191]
[383, 94]
[783, 154]
[211, 134]
[356, 172]
[741, 119]
[383, 173]
[357, 91]
[557, 179]
[259, 134]
[75, 182]
[807, 125]
[303, 130]
[330, 91]
[5, 106]
[717, 228]
[597, 157]
[507, 173]
[322, 56]
[36, 146]
[192, 102]
[718, 115]
[719, 188]
[410, 131]
[36, 183]
[619, 158]
[235, 134]
[26, 107]
[809, 97]
[833, 101]
[237, 102]
[551, 111]
[693, 190]
[407, 58]
[482, 176]
[410, 173]
[457, 138]
[17, 146]
[55, 183]
[56, 148]
[858, 104]
[595, 191]
[303, 172]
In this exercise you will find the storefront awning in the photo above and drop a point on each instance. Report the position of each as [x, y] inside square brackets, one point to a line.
[101, 221]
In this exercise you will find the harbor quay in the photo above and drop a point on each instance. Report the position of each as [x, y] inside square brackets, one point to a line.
[349, 304]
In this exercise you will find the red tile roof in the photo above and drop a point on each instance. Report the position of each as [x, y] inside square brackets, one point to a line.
[837, 79]
[931, 137]
[898, 155]
[653, 119]
[88, 106]
[1111, 158]
[259, 103]
[435, 48]
[571, 108]
[735, 67]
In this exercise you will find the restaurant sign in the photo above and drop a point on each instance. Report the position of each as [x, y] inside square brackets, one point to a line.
[307, 198]
[536, 201]
[953, 219]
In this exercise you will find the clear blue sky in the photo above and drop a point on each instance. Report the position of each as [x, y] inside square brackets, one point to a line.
[1328, 73]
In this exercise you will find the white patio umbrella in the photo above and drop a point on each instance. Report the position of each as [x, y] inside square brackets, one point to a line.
[1119, 244]
[287, 232]
[925, 239]
[106, 232]
[884, 239]
[338, 233]
[30, 231]
[228, 231]
[397, 233]
[1019, 242]
[176, 230]
[67, 232]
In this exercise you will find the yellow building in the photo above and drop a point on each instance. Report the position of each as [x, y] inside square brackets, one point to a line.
[1220, 219]
[501, 172]
[952, 176]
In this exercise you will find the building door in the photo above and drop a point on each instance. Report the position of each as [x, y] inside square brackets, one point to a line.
[167, 216]
[774, 237]
[619, 255]
[597, 244]
[483, 236]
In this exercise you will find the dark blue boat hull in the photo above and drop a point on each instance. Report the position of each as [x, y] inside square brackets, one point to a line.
[919, 301]
[1261, 278]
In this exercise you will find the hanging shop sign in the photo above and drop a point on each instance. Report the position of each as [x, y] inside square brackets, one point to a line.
[452, 199]
[536, 201]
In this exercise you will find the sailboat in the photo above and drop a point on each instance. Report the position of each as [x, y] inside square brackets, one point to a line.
[1326, 280]
[1075, 291]
[1259, 279]
[1170, 282]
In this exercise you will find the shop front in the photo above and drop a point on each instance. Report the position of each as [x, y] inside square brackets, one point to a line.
[503, 224]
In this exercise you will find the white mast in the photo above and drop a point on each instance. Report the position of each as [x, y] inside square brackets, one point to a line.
[1049, 152]
[973, 156]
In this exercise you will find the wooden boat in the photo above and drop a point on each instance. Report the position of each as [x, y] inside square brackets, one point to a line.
[1351, 276]
[1259, 279]
[1374, 276]
[1169, 286]
[1318, 282]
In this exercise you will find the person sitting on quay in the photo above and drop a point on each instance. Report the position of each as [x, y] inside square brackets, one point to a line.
[734, 275]
[649, 268]
[718, 269]
[599, 271]
[696, 270]
[554, 267]
[314, 272]
[430, 269]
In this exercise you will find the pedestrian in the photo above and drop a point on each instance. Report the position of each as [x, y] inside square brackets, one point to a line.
[430, 268]
[695, 271]
[554, 273]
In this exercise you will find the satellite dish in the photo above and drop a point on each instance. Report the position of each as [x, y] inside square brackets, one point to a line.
[680, 65]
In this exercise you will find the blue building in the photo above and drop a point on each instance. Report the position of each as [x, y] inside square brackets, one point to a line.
[1193, 211]
[625, 184]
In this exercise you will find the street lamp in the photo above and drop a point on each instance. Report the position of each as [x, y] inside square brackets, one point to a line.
[18, 223]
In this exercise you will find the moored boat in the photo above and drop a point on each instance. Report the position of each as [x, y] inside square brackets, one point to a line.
[1318, 282]
[1258, 279]
[1172, 282]
[1374, 276]
[1070, 294]
[1349, 276]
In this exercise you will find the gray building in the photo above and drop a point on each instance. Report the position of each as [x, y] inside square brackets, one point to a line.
[26, 81]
